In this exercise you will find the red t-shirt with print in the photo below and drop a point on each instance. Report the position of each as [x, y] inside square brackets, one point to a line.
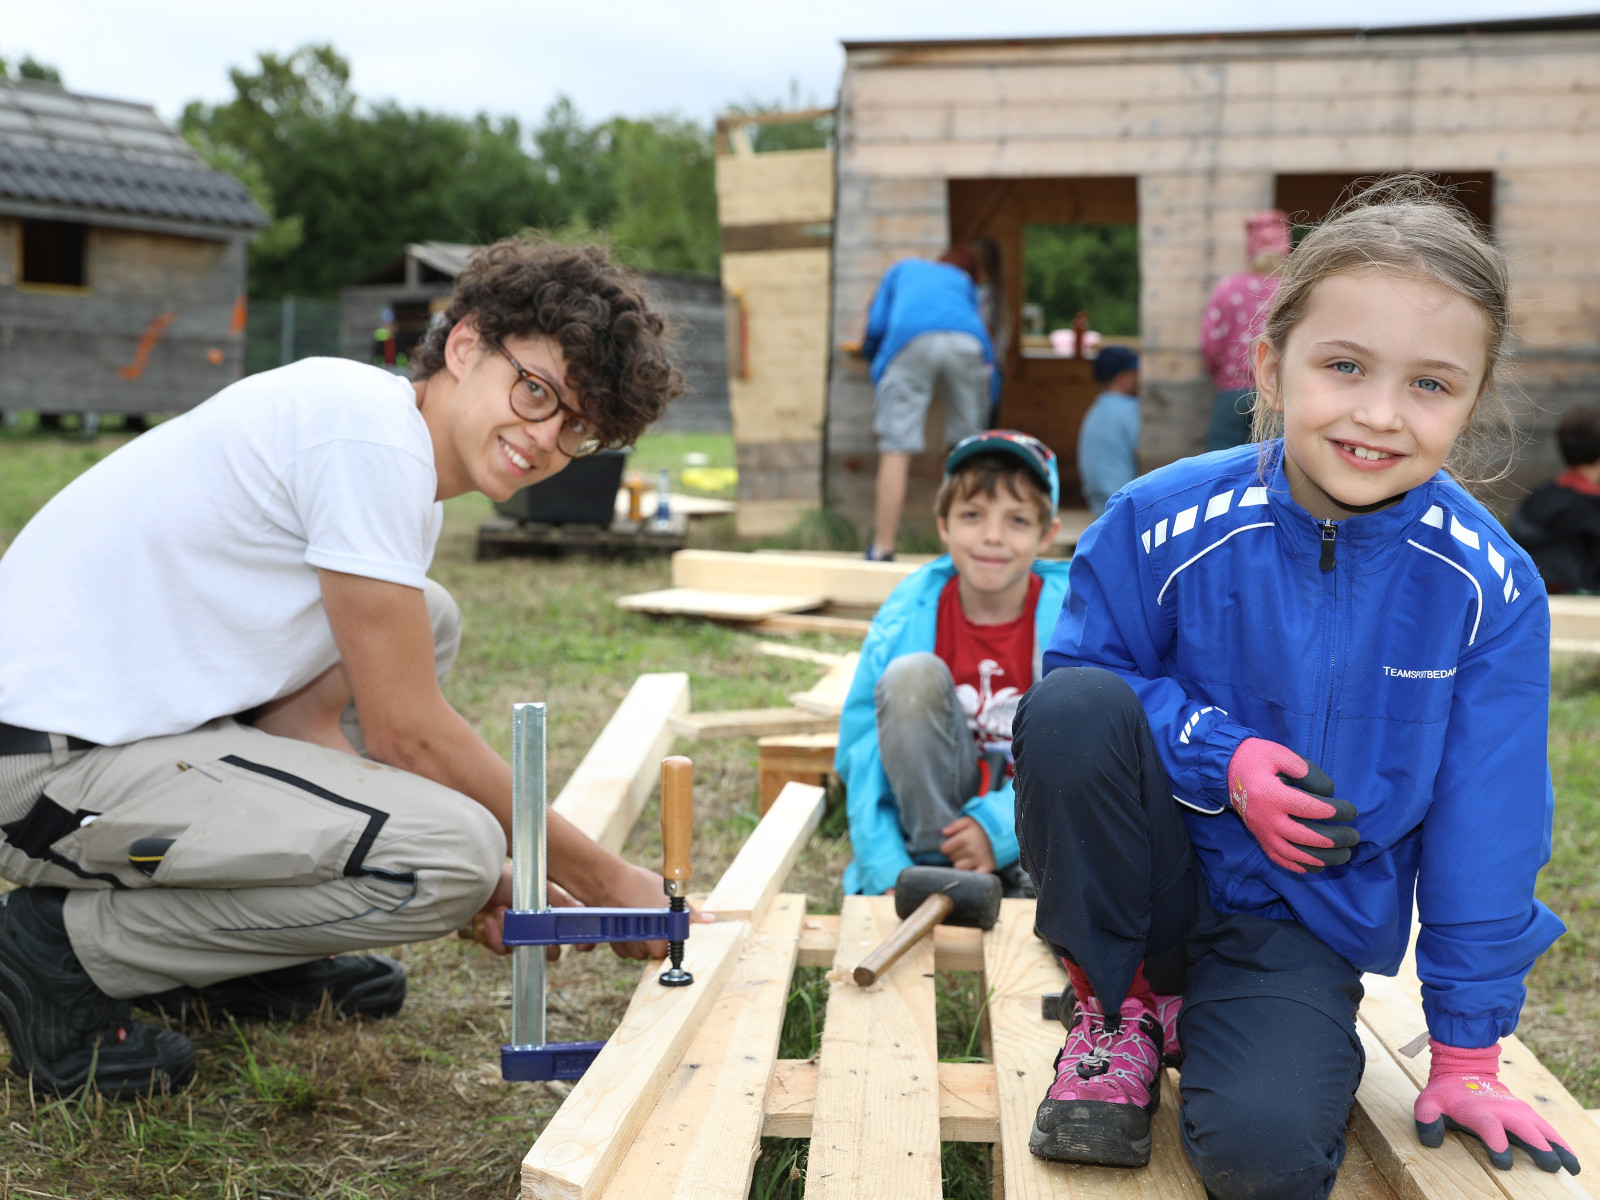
[992, 665]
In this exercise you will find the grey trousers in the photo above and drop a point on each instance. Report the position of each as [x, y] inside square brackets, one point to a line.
[226, 851]
[951, 362]
[928, 753]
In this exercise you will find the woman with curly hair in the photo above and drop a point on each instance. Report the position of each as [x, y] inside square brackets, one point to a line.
[182, 802]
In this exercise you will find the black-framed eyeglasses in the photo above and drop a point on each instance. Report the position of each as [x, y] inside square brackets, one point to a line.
[535, 398]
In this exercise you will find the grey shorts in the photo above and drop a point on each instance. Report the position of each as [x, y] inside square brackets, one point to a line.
[952, 363]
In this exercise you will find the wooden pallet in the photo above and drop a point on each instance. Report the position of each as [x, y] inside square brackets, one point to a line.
[677, 1103]
[501, 537]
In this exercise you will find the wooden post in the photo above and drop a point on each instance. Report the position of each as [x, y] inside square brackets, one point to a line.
[803, 758]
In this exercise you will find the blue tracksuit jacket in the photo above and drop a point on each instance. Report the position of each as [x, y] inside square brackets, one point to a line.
[916, 297]
[907, 623]
[1405, 651]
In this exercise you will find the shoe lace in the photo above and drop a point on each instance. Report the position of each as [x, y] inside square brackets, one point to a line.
[1104, 1047]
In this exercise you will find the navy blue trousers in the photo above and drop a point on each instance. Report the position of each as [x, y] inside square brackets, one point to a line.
[1271, 1056]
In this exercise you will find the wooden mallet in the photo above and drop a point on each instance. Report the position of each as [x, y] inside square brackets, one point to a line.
[929, 896]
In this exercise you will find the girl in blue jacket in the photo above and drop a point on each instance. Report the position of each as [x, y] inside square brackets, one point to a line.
[1293, 685]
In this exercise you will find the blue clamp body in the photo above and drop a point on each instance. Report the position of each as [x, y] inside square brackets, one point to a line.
[580, 926]
[554, 1060]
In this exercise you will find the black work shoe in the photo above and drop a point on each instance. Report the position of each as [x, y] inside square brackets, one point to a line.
[62, 1027]
[354, 985]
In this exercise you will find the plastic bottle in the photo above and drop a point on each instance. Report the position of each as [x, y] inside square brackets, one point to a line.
[663, 518]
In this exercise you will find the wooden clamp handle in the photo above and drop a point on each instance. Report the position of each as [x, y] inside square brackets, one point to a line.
[677, 819]
[912, 930]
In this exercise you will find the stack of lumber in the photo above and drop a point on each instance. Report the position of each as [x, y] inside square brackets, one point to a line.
[730, 586]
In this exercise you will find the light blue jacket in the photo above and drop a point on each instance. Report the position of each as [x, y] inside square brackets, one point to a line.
[906, 624]
[1406, 652]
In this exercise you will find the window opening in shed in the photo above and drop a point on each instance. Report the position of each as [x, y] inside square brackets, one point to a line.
[1308, 199]
[55, 253]
[1072, 269]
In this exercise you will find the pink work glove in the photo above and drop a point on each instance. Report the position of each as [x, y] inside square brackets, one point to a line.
[1281, 798]
[1464, 1092]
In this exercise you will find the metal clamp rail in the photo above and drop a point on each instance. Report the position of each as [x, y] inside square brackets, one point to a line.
[531, 924]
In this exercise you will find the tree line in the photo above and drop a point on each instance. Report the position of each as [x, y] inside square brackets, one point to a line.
[349, 184]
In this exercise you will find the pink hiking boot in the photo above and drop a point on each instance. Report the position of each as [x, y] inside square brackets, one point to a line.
[1098, 1109]
[1167, 1010]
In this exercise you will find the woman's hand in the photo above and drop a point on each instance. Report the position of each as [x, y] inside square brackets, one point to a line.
[489, 923]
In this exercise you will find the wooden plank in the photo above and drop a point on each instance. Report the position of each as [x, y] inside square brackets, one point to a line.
[802, 758]
[1018, 969]
[767, 856]
[604, 795]
[750, 722]
[1287, 153]
[838, 581]
[1383, 1120]
[789, 185]
[1327, 71]
[826, 697]
[703, 1136]
[1397, 1003]
[808, 623]
[954, 948]
[1575, 617]
[875, 1131]
[967, 1111]
[582, 1146]
[728, 605]
[821, 658]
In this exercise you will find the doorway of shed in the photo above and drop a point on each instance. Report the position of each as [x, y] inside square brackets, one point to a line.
[1032, 222]
[1309, 199]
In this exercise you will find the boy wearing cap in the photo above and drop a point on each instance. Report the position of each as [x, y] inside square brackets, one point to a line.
[1108, 441]
[925, 736]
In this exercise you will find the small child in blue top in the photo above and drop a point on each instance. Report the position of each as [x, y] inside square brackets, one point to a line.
[925, 736]
[1108, 439]
[1294, 685]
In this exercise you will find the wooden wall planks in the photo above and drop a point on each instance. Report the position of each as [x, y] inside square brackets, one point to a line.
[1206, 126]
[782, 301]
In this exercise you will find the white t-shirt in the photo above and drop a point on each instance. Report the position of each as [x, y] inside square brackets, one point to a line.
[175, 581]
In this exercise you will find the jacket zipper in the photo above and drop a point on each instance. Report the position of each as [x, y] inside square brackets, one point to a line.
[1330, 530]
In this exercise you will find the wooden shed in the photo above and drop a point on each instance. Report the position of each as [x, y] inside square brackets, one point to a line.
[122, 258]
[1185, 136]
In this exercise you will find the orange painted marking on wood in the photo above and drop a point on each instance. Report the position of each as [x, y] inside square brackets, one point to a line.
[148, 341]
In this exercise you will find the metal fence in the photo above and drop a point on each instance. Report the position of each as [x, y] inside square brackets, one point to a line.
[284, 331]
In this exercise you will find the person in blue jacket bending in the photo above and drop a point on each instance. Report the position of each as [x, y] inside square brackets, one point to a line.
[925, 736]
[1294, 685]
[924, 331]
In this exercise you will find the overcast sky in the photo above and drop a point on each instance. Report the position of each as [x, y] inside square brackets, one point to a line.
[628, 57]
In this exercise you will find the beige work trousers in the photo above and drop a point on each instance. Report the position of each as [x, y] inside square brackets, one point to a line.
[262, 852]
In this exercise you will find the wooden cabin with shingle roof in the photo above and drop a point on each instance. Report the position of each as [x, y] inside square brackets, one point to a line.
[122, 259]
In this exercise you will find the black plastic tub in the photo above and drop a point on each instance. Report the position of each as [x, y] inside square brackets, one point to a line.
[583, 493]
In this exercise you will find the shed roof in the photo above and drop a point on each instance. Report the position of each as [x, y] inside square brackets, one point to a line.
[1546, 24]
[91, 154]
